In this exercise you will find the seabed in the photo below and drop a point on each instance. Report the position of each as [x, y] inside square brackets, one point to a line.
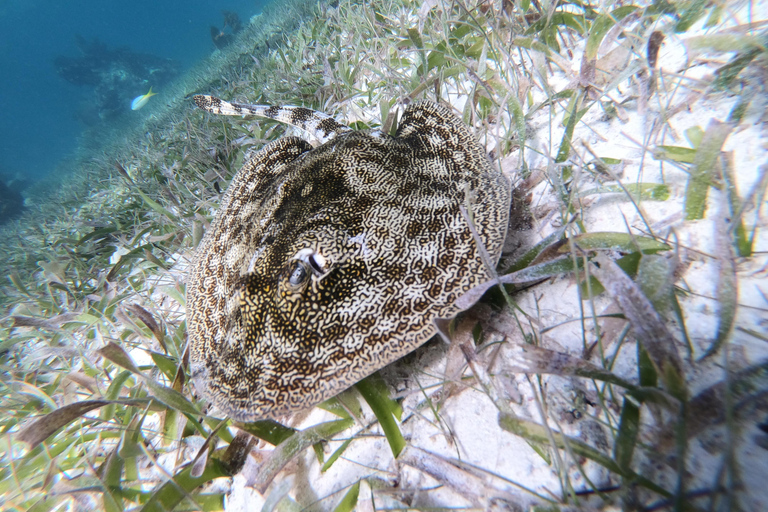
[633, 133]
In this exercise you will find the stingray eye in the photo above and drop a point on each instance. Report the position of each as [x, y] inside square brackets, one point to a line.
[313, 262]
[299, 274]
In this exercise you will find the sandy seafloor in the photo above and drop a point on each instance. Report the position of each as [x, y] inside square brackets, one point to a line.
[470, 431]
[504, 464]
[470, 416]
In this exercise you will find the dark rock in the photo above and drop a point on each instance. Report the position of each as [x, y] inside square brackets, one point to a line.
[222, 38]
[232, 20]
[118, 75]
[11, 203]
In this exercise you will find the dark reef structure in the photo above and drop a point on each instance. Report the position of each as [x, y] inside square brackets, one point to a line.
[222, 38]
[117, 74]
[11, 200]
[232, 20]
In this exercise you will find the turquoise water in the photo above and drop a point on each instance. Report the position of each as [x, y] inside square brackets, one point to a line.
[72, 65]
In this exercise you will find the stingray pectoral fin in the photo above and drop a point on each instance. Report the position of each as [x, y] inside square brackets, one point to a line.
[437, 129]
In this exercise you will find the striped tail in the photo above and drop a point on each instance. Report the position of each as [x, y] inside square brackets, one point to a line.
[319, 125]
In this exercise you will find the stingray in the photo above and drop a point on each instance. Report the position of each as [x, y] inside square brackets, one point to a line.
[325, 264]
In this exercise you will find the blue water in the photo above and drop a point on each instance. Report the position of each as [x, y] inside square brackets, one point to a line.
[41, 114]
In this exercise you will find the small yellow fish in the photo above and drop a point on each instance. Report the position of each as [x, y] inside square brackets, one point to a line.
[140, 101]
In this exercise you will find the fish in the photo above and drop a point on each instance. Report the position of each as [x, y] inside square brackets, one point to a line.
[325, 264]
[140, 101]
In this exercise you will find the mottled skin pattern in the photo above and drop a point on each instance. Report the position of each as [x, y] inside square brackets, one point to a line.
[324, 265]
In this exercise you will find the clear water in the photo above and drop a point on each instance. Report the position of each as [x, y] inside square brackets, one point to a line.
[42, 113]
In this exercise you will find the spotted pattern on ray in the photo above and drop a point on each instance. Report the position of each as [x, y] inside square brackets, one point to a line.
[326, 264]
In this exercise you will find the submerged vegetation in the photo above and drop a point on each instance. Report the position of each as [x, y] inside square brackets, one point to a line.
[633, 376]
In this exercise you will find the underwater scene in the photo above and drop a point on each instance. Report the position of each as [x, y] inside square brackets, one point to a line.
[384, 255]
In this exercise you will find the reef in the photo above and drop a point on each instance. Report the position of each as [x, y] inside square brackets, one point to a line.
[117, 74]
[11, 200]
[223, 37]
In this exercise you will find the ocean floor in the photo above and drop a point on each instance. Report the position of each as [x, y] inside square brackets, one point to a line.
[632, 386]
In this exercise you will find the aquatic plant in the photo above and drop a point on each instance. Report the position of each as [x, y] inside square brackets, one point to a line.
[634, 381]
